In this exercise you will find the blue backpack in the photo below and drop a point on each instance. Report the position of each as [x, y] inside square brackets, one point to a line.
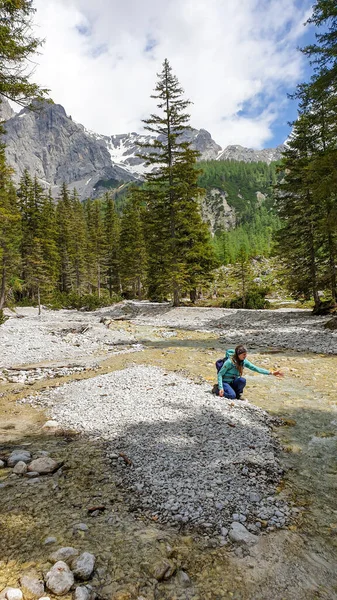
[219, 363]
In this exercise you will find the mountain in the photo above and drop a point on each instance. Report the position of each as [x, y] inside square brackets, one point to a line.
[47, 142]
[240, 153]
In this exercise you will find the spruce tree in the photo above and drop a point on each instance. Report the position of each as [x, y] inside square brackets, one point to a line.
[79, 243]
[171, 192]
[132, 246]
[112, 245]
[17, 46]
[10, 231]
[64, 215]
[96, 243]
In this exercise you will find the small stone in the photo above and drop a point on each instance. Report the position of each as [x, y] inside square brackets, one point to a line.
[44, 465]
[2, 464]
[51, 425]
[20, 468]
[183, 579]
[32, 587]
[32, 474]
[254, 497]
[49, 540]
[81, 527]
[18, 456]
[14, 594]
[238, 533]
[65, 554]
[44, 598]
[83, 566]
[159, 569]
[224, 531]
[59, 579]
[82, 593]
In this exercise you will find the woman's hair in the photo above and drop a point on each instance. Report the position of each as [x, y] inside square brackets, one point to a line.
[240, 349]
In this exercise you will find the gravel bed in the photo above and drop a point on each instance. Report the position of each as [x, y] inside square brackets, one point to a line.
[297, 329]
[187, 456]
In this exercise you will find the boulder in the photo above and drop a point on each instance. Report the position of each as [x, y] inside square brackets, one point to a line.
[83, 566]
[59, 579]
[44, 465]
[19, 456]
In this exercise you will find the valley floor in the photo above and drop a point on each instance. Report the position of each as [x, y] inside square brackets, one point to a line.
[169, 467]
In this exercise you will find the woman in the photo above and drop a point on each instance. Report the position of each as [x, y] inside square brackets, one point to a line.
[230, 381]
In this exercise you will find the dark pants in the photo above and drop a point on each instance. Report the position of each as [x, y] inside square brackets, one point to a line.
[235, 389]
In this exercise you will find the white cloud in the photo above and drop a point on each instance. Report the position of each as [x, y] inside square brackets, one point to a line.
[228, 56]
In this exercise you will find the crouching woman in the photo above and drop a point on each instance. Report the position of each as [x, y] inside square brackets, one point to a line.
[230, 381]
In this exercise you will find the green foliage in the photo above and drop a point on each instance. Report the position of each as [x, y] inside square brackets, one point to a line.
[2, 317]
[76, 301]
[240, 181]
[180, 255]
[17, 46]
[254, 299]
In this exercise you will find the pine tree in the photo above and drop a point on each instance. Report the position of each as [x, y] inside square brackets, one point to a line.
[79, 243]
[64, 217]
[17, 46]
[96, 243]
[132, 246]
[112, 247]
[10, 231]
[171, 192]
[243, 273]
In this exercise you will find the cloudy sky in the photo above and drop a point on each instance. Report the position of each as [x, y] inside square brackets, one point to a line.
[235, 59]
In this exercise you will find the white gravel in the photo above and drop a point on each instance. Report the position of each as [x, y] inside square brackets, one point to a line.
[196, 459]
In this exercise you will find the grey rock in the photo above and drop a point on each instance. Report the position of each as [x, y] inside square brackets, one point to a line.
[50, 540]
[65, 554]
[183, 578]
[19, 456]
[238, 533]
[32, 587]
[43, 465]
[83, 566]
[31, 474]
[162, 569]
[81, 527]
[254, 497]
[59, 579]
[83, 593]
[20, 468]
[14, 594]
[2, 464]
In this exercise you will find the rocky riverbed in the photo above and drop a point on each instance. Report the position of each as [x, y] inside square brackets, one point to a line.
[175, 493]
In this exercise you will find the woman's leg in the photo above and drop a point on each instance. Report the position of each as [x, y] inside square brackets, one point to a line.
[238, 386]
[228, 391]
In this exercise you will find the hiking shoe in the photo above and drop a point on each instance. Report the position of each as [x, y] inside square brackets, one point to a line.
[240, 397]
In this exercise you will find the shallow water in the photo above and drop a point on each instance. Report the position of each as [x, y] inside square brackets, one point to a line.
[294, 564]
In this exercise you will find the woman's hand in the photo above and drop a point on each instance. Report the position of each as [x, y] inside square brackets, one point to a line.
[277, 373]
[221, 393]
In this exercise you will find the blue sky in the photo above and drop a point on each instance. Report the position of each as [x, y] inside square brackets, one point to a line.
[236, 60]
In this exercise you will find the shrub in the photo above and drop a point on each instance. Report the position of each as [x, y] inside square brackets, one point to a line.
[255, 299]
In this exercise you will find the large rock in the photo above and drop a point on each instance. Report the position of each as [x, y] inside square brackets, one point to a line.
[238, 533]
[67, 554]
[44, 465]
[18, 456]
[59, 579]
[32, 586]
[83, 566]
[10, 593]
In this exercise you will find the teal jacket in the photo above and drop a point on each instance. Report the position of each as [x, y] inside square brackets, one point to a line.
[229, 372]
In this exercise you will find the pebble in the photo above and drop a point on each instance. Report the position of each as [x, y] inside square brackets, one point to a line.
[14, 594]
[83, 593]
[51, 425]
[59, 579]
[65, 554]
[81, 527]
[50, 540]
[2, 464]
[20, 468]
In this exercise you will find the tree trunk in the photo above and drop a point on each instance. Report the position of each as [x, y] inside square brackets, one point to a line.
[176, 295]
[193, 295]
[3, 288]
[139, 288]
[39, 299]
